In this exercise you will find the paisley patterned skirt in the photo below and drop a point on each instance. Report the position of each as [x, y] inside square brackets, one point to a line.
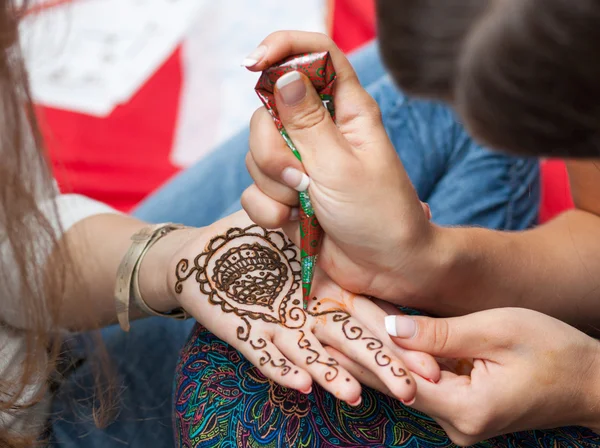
[222, 400]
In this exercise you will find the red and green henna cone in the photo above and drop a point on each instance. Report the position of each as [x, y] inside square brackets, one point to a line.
[319, 69]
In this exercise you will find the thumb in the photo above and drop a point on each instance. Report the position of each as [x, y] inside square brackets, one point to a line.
[308, 123]
[458, 337]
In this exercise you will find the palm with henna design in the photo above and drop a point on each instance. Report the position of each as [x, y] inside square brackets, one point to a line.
[242, 282]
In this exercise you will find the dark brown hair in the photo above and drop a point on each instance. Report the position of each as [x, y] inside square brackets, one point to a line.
[523, 74]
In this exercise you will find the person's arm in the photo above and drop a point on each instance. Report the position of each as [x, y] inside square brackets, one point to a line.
[553, 268]
[96, 246]
[243, 283]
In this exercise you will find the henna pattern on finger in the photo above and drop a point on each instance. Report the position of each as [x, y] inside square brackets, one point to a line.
[243, 333]
[260, 344]
[265, 359]
[354, 333]
[254, 273]
[315, 357]
[283, 365]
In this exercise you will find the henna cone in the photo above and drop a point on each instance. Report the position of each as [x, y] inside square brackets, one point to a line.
[319, 69]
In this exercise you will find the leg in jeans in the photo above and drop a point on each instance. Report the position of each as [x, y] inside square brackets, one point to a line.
[464, 183]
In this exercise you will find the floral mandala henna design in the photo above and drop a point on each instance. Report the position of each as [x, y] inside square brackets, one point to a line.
[251, 279]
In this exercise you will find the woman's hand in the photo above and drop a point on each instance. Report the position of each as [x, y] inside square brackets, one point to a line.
[242, 282]
[530, 371]
[379, 240]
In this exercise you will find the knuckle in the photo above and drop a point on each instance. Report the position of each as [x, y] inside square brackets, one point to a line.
[371, 108]
[473, 425]
[441, 335]
[310, 116]
[327, 41]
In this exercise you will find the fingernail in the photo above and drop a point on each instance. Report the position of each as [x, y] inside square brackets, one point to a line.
[292, 88]
[254, 58]
[400, 326]
[427, 210]
[430, 380]
[408, 403]
[295, 179]
[307, 391]
[295, 214]
[357, 402]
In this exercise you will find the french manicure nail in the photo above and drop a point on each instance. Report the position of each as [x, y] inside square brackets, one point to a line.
[254, 58]
[408, 403]
[292, 88]
[295, 179]
[400, 326]
[294, 214]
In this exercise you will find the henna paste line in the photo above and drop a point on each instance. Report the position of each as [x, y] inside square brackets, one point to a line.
[243, 333]
[256, 281]
[315, 357]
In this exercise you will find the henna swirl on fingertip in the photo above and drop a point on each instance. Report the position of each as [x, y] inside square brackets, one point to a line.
[398, 372]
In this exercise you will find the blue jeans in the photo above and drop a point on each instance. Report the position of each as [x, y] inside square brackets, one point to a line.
[464, 184]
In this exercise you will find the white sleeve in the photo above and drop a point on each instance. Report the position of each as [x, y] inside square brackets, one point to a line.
[73, 208]
[70, 209]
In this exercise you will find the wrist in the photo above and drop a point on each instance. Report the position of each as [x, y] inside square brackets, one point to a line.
[439, 265]
[156, 268]
[420, 279]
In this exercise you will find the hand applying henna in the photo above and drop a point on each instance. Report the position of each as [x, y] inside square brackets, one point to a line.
[282, 77]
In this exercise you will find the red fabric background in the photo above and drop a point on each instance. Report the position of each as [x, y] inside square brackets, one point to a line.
[122, 158]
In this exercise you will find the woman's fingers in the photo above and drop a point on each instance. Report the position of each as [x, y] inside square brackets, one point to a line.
[308, 352]
[281, 44]
[347, 335]
[265, 355]
[358, 371]
[420, 363]
[269, 150]
[265, 211]
[272, 188]
[255, 344]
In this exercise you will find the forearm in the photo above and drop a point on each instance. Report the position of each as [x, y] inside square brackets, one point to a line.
[552, 269]
[95, 247]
